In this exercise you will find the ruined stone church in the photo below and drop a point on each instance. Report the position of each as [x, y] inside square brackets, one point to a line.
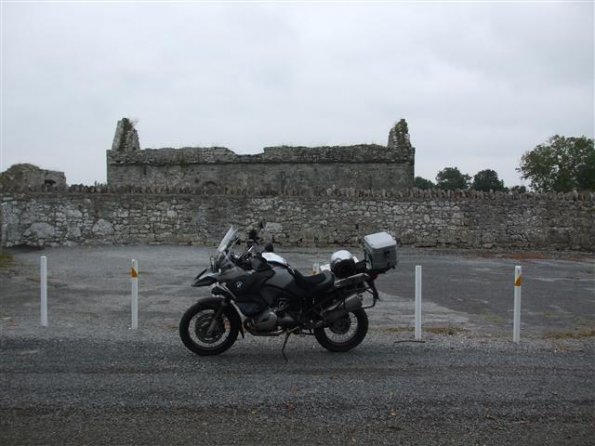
[362, 166]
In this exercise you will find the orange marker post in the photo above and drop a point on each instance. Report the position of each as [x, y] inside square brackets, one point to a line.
[516, 325]
[134, 297]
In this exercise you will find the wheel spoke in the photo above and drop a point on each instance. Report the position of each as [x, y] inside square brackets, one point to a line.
[200, 325]
[208, 328]
[342, 330]
[345, 333]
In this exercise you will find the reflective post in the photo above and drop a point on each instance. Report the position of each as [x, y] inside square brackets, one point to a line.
[134, 297]
[316, 268]
[516, 325]
[418, 303]
[44, 290]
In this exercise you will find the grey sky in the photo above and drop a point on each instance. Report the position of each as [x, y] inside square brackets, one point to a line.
[479, 83]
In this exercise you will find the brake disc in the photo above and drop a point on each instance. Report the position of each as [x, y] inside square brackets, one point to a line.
[201, 329]
[341, 326]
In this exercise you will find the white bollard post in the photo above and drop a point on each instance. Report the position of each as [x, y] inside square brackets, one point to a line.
[44, 290]
[134, 297]
[418, 303]
[516, 325]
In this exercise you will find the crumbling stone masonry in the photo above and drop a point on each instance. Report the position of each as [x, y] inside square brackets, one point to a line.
[364, 166]
[419, 218]
[30, 176]
[126, 137]
[322, 196]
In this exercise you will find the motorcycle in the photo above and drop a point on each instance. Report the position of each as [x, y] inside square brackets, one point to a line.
[260, 293]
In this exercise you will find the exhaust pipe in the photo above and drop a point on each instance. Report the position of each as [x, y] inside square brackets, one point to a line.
[339, 310]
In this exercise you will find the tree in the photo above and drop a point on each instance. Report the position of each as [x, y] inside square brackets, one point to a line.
[518, 189]
[487, 180]
[560, 165]
[422, 183]
[450, 178]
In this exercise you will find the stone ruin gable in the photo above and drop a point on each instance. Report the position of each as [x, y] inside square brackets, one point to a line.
[399, 140]
[364, 166]
[126, 137]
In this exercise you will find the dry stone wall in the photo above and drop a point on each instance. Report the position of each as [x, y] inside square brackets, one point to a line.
[308, 217]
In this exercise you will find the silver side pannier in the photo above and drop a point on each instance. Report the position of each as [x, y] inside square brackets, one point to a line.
[380, 250]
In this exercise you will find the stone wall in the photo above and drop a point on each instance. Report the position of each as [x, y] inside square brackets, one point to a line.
[90, 215]
[28, 175]
[364, 166]
[215, 177]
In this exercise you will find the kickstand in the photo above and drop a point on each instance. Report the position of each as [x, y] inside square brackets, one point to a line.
[284, 344]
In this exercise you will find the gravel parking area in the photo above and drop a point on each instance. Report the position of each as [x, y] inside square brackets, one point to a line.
[89, 379]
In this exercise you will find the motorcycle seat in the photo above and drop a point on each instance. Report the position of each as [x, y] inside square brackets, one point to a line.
[315, 284]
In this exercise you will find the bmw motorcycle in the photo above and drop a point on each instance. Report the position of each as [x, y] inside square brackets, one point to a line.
[260, 293]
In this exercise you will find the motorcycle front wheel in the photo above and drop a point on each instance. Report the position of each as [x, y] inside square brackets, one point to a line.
[207, 329]
[345, 333]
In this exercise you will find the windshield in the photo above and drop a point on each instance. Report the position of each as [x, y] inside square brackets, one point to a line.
[228, 239]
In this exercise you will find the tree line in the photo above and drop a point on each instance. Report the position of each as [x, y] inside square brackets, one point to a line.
[562, 164]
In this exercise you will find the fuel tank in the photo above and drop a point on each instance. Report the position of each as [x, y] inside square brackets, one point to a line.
[281, 279]
[284, 285]
[279, 284]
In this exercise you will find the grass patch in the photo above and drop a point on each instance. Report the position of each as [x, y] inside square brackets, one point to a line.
[492, 318]
[397, 329]
[571, 334]
[445, 331]
[6, 261]
[530, 256]
[449, 330]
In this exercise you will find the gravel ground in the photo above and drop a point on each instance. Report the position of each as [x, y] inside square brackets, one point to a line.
[446, 391]
[88, 379]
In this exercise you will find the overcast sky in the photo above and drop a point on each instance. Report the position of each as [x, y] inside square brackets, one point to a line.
[478, 83]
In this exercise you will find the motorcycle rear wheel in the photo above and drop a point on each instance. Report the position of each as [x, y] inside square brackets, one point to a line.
[345, 333]
[195, 323]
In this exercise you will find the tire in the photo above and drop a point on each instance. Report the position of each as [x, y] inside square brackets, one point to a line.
[342, 335]
[196, 321]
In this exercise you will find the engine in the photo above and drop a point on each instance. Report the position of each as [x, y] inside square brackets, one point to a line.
[271, 318]
[265, 321]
